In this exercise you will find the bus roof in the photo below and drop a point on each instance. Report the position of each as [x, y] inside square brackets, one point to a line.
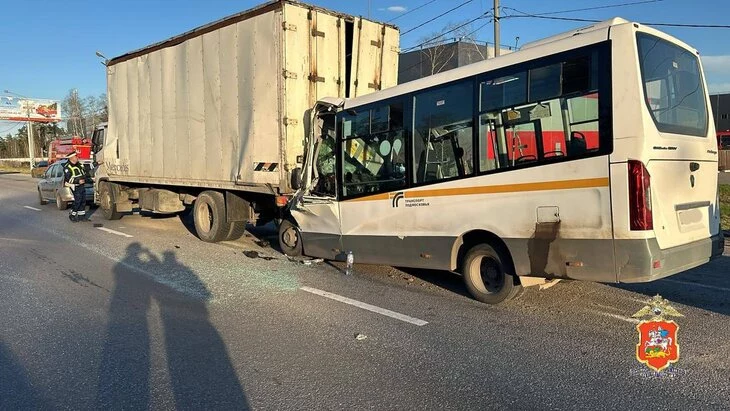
[533, 50]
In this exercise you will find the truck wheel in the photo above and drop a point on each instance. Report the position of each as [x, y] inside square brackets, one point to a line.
[108, 207]
[41, 200]
[60, 203]
[236, 231]
[489, 275]
[209, 214]
[290, 239]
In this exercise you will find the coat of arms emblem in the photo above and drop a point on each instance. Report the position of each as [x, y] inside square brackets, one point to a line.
[658, 346]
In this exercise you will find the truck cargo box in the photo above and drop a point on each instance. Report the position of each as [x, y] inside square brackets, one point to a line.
[225, 105]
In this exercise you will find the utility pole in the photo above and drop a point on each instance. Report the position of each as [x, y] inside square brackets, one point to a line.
[28, 107]
[30, 136]
[496, 28]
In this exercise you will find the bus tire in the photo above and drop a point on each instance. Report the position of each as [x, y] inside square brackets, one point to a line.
[209, 216]
[106, 201]
[489, 275]
[290, 239]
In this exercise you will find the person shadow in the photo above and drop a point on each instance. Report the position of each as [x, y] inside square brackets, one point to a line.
[16, 388]
[200, 371]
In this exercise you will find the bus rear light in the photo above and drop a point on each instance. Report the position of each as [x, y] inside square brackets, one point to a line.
[640, 213]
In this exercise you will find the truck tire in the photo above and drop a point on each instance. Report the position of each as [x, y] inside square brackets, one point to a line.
[60, 203]
[236, 231]
[209, 215]
[41, 200]
[489, 275]
[290, 239]
[106, 200]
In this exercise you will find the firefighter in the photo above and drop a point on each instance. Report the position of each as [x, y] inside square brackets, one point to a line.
[75, 176]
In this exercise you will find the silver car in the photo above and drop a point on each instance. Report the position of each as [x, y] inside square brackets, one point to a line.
[51, 188]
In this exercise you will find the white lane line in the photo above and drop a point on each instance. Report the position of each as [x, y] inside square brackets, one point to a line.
[711, 287]
[114, 232]
[616, 316]
[365, 306]
[32, 208]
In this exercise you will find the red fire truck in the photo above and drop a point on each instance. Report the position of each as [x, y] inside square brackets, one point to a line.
[61, 148]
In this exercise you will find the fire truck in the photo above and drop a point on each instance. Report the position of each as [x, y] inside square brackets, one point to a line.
[60, 148]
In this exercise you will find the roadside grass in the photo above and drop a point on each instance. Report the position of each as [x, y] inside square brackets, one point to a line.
[11, 169]
[725, 206]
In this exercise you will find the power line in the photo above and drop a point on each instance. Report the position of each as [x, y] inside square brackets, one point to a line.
[411, 11]
[425, 42]
[437, 17]
[537, 16]
[608, 6]
[420, 61]
[8, 129]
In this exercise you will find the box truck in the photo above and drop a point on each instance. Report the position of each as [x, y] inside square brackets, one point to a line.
[216, 120]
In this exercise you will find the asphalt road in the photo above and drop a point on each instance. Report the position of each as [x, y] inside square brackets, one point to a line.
[143, 315]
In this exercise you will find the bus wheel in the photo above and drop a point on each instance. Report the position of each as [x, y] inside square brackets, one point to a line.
[290, 239]
[489, 276]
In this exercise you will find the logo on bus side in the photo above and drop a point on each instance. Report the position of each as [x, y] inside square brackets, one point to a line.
[395, 198]
[658, 346]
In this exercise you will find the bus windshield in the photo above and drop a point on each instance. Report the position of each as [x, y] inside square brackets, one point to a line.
[672, 86]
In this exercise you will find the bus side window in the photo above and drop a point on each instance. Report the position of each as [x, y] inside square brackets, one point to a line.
[442, 138]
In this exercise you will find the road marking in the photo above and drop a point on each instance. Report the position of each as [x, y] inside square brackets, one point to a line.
[616, 316]
[365, 306]
[32, 208]
[108, 230]
[711, 287]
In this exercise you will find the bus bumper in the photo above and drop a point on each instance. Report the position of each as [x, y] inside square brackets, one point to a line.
[636, 259]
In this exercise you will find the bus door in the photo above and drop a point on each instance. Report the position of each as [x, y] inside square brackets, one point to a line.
[316, 211]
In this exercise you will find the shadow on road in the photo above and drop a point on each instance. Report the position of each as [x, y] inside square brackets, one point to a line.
[704, 287]
[200, 371]
[16, 389]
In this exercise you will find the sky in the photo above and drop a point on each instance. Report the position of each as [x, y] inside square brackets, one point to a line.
[48, 47]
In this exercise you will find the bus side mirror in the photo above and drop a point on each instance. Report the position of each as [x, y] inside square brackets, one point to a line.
[296, 178]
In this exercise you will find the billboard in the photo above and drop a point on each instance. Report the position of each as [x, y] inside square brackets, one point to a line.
[21, 109]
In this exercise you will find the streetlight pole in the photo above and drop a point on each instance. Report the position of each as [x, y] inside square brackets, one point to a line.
[30, 128]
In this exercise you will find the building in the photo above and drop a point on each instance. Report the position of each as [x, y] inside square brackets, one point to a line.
[442, 57]
[721, 111]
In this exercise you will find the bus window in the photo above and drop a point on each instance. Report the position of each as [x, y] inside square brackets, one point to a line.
[673, 87]
[443, 133]
[505, 91]
[375, 162]
[556, 117]
[325, 160]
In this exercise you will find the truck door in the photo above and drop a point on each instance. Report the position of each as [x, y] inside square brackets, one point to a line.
[317, 212]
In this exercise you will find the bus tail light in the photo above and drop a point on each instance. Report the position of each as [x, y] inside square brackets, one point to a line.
[640, 197]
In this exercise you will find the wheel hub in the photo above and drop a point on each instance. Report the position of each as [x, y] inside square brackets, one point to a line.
[290, 237]
[491, 274]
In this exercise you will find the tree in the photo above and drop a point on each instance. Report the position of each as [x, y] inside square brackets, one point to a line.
[84, 114]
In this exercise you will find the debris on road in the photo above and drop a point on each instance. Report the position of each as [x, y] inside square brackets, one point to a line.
[360, 337]
[262, 243]
[256, 254]
[177, 246]
[97, 225]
